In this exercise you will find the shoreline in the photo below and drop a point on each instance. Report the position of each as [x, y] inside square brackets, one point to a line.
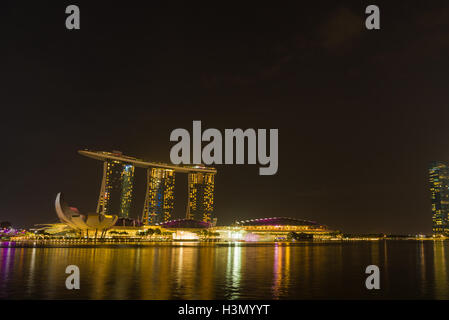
[84, 243]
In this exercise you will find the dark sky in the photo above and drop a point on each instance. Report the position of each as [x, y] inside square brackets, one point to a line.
[360, 113]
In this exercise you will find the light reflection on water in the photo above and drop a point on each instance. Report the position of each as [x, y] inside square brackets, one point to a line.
[409, 269]
[439, 255]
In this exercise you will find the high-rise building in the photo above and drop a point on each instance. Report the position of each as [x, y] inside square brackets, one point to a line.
[127, 178]
[201, 196]
[116, 188]
[160, 197]
[439, 189]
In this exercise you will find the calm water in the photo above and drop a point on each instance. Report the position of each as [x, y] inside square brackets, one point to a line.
[409, 269]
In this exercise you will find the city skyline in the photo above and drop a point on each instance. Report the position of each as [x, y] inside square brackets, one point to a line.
[118, 176]
[360, 113]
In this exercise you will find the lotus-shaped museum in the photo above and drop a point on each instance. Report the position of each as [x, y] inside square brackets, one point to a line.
[74, 219]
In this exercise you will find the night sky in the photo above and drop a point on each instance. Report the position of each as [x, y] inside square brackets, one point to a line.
[360, 113]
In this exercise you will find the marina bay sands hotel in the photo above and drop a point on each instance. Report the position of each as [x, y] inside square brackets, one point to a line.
[117, 188]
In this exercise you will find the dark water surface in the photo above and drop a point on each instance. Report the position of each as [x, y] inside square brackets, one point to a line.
[333, 270]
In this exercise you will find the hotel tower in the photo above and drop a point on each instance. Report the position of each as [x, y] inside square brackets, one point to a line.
[439, 189]
[117, 188]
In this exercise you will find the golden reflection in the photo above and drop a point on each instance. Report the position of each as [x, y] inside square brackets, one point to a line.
[375, 257]
[281, 270]
[233, 271]
[122, 283]
[162, 275]
[385, 265]
[178, 263]
[188, 282]
[440, 269]
[146, 273]
[206, 274]
[422, 264]
[100, 259]
[218, 271]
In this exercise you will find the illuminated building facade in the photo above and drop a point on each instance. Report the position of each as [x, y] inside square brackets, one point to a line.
[116, 188]
[274, 229]
[439, 189]
[127, 179]
[201, 196]
[159, 198]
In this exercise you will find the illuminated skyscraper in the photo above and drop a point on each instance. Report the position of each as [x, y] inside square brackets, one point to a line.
[116, 188]
[159, 198]
[127, 178]
[201, 196]
[439, 189]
